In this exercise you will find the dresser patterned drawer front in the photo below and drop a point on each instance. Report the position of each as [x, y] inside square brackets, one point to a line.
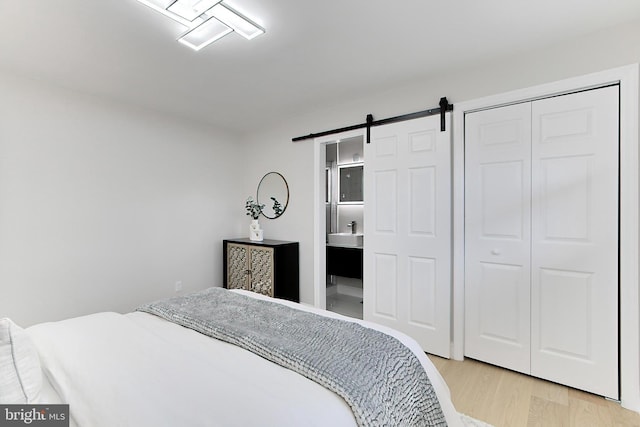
[237, 274]
[261, 266]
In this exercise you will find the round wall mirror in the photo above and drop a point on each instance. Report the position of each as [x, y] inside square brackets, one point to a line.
[273, 192]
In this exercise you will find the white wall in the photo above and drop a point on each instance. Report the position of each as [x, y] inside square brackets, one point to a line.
[272, 148]
[104, 206]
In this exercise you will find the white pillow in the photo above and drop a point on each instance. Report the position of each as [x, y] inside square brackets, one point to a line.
[20, 372]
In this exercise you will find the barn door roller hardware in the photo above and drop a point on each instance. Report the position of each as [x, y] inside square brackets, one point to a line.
[369, 123]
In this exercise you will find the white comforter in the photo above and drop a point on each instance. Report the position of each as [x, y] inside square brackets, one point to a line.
[139, 370]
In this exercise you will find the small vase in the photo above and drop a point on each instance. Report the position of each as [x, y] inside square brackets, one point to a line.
[255, 232]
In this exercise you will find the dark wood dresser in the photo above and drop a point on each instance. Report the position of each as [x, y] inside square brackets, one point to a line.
[269, 267]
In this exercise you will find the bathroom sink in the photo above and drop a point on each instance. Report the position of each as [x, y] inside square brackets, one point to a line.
[346, 239]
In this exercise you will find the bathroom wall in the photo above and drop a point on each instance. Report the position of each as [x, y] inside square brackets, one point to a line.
[350, 151]
[348, 213]
[331, 208]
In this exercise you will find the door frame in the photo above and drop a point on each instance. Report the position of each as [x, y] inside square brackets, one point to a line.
[319, 214]
[629, 308]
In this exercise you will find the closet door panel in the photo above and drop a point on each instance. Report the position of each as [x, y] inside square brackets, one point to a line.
[497, 236]
[574, 263]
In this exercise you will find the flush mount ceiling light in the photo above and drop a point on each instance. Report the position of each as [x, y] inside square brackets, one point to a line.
[206, 20]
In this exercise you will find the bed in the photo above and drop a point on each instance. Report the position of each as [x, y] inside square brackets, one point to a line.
[139, 369]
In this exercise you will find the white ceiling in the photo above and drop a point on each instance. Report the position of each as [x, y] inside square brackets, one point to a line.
[314, 52]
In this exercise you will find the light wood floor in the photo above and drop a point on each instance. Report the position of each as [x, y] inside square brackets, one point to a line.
[505, 398]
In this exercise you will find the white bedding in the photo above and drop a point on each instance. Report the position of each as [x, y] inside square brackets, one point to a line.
[140, 370]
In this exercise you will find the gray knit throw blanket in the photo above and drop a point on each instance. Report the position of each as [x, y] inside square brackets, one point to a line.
[380, 378]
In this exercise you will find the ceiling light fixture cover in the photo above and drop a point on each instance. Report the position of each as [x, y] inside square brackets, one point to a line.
[206, 20]
[191, 9]
[205, 34]
[240, 24]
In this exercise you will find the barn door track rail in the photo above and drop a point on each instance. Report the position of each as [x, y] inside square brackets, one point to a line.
[442, 109]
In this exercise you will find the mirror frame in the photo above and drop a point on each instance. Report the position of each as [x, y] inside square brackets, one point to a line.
[286, 187]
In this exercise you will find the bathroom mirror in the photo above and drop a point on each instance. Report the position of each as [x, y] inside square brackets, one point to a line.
[273, 193]
[351, 184]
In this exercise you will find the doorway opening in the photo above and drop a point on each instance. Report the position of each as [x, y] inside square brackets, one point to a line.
[339, 223]
[344, 210]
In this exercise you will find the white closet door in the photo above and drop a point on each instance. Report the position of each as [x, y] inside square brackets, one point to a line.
[407, 218]
[575, 240]
[497, 236]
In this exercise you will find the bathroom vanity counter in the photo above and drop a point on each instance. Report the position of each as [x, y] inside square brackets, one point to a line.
[336, 245]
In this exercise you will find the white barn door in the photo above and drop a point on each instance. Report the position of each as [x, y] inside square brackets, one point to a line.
[407, 228]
